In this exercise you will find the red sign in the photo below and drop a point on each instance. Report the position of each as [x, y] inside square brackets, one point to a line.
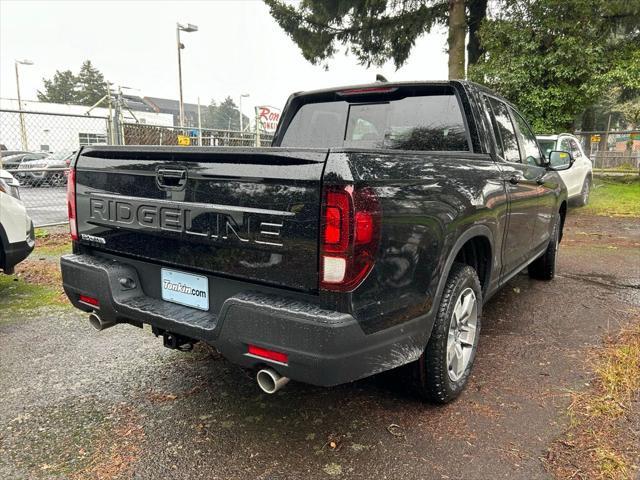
[269, 118]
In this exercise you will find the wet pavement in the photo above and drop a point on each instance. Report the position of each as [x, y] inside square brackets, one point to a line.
[81, 404]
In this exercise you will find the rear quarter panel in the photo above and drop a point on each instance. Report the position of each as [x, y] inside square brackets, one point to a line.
[428, 201]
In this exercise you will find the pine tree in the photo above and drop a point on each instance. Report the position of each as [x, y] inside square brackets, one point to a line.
[60, 89]
[91, 84]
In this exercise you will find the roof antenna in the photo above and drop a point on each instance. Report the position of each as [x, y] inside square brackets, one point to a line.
[380, 78]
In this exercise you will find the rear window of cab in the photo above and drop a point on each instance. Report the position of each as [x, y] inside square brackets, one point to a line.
[432, 122]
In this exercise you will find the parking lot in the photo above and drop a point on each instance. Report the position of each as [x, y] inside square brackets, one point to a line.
[46, 204]
[84, 404]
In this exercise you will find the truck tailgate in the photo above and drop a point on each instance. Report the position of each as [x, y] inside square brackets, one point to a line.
[245, 213]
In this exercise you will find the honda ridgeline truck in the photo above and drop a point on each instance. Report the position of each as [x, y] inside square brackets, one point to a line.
[367, 237]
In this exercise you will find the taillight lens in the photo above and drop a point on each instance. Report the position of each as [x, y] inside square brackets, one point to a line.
[71, 204]
[350, 236]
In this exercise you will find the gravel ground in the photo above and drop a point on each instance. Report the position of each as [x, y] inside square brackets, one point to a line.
[81, 404]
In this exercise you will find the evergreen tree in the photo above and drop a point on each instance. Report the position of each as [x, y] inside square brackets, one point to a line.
[91, 84]
[86, 88]
[376, 31]
[225, 116]
[60, 89]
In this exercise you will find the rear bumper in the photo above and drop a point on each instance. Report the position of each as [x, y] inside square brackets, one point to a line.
[14, 253]
[324, 347]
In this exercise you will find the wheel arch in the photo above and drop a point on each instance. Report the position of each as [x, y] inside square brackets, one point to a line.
[477, 236]
[562, 211]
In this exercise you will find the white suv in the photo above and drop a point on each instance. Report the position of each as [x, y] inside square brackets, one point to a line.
[579, 177]
[16, 228]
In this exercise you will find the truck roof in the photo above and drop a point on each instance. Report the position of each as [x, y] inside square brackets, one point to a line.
[416, 83]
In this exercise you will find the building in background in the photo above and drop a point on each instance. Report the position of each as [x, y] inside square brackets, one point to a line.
[69, 125]
[165, 105]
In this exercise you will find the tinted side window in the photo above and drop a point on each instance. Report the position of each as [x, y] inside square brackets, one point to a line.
[547, 146]
[530, 152]
[575, 149]
[564, 145]
[506, 131]
[494, 126]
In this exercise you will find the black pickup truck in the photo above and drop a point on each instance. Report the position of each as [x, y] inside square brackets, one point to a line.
[366, 238]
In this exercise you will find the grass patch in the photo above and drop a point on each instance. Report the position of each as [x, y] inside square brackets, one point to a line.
[38, 281]
[18, 297]
[600, 441]
[615, 196]
[54, 250]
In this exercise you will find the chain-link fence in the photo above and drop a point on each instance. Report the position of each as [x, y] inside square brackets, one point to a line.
[44, 194]
[37, 148]
[613, 151]
[140, 134]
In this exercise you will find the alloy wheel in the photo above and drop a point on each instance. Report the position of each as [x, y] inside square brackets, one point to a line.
[462, 334]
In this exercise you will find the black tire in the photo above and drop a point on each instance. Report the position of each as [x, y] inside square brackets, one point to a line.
[544, 267]
[583, 199]
[56, 179]
[432, 370]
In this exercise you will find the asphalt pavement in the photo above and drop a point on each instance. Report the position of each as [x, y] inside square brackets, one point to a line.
[77, 403]
[46, 205]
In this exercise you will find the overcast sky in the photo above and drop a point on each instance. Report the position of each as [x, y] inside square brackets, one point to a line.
[238, 49]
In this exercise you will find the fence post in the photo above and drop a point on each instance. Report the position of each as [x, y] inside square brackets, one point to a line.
[199, 124]
[257, 127]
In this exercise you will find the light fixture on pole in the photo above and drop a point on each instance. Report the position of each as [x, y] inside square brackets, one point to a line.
[182, 28]
[23, 130]
[240, 108]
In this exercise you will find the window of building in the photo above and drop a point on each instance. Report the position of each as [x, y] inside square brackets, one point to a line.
[92, 139]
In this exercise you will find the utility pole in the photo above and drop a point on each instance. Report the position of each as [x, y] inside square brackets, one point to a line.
[257, 127]
[179, 28]
[199, 124]
[23, 130]
[240, 108]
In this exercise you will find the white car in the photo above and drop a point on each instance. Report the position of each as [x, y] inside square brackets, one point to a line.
[579, 177]
[16, 228]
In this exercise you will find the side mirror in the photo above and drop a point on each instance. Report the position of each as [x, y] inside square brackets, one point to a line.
[559, 160]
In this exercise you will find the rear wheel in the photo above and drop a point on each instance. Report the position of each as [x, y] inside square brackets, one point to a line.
[444, 367]
[583, 198]
[544, 267]
[57, 179]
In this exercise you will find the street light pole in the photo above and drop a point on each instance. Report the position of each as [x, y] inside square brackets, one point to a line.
[240, 108]
[23, 130]
[179, 28]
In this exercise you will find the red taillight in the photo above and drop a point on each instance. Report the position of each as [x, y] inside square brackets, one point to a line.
[366, 91]
[268, 354]
[71, 204]
[90, 300]
[350, 235]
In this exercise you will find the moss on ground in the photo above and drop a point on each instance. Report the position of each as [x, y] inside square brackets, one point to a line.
[18, 297]
[615, 196]
[600, 441]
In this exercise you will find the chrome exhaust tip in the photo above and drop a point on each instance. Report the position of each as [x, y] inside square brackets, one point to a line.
[99, 324]
[270, 381]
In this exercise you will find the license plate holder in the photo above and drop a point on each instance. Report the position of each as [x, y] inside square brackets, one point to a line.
[184, 288]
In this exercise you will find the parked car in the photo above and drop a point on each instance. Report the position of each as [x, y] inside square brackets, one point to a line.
[6, 153]
[368, 237]
[49, 170]
[578, 178]
[13, 162]
[16, 228]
